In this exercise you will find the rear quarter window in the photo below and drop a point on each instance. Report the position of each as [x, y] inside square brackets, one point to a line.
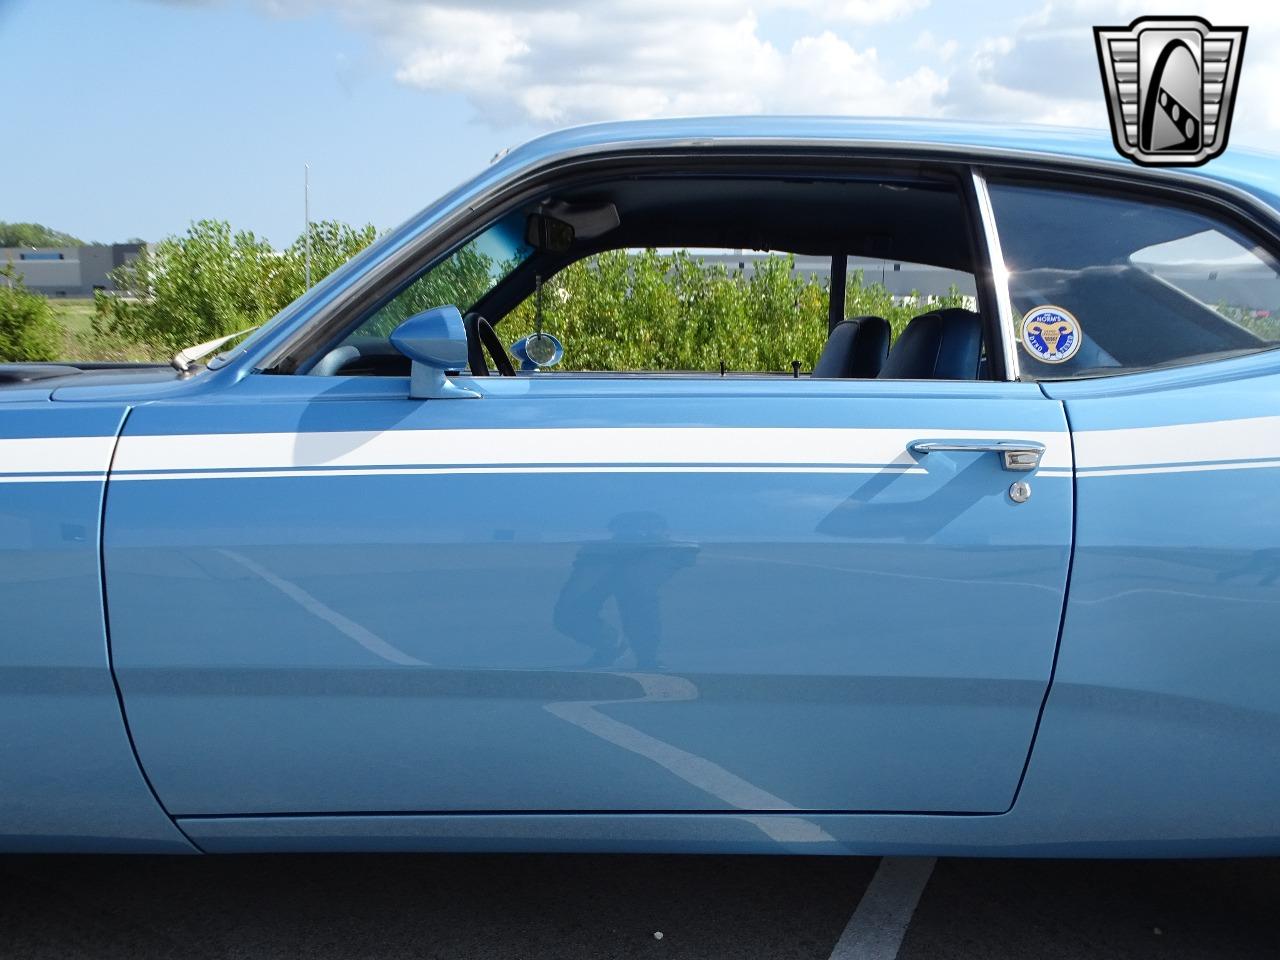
[1149, 285]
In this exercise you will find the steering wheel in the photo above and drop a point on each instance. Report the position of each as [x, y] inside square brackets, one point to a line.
[481, 337]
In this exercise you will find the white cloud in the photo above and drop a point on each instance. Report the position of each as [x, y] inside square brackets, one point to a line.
[931, 47]
[1044, 70]
[824, 73]
[863, 11]
[521, 61]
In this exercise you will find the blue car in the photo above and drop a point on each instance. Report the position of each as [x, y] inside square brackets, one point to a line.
[998, 580]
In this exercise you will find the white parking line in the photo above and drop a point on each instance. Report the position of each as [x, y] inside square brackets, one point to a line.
[876, 929]
[699, 771]
[344, 625]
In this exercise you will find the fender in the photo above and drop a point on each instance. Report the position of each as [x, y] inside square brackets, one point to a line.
[70, 780]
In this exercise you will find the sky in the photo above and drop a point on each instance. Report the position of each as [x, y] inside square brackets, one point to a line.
[130, 118]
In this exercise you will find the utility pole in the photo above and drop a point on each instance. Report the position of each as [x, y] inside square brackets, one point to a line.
[306, 213]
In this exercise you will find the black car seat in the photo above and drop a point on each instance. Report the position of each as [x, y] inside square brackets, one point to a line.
[941, 345]
[855, 347]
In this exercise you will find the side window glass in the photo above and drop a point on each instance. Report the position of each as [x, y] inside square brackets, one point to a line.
[1104, 285]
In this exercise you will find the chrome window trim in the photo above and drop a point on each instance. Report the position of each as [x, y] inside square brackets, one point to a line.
[999, 277]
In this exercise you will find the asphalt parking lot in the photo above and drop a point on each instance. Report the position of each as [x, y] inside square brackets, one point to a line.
[598, 906]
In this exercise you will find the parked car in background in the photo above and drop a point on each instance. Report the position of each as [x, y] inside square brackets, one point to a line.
[381, 577]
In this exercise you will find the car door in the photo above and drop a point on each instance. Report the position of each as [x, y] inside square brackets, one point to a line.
[579, 594]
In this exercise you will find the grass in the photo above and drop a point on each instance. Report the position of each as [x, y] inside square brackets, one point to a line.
[78, 342]
[76, 316]
[76, 319]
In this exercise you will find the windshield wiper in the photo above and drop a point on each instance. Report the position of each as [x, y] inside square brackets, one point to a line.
[184, 358]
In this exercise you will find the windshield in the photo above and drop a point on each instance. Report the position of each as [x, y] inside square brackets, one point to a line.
[461, 279]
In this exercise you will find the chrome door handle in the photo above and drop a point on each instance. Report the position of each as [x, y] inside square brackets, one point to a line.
[1017, 455]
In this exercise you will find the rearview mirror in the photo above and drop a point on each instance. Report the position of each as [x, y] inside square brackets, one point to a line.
[537, 350]
[436, 341]
[544, 232]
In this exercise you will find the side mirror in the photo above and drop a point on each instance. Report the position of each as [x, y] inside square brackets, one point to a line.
[436, 341]
[537, 350]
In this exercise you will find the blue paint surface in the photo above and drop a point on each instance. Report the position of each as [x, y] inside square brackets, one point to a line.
[1163, 720]
[68, 777]
[586, 641]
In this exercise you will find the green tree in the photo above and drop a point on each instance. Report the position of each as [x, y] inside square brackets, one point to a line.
[35, 235]
[28, 328]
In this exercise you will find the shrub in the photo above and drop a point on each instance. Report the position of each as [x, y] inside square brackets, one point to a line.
[619, 310]
[28, 328]
[213, 281]
[673, 311]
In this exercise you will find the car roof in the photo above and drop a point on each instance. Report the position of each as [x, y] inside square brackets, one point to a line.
[1255, 172]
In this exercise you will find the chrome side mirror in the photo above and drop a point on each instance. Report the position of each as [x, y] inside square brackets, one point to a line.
[436, 341]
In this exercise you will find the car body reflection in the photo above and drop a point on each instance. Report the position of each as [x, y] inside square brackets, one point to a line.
[630, 568]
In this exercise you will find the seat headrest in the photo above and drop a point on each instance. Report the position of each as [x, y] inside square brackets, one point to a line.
[940, 345]
[856, 348]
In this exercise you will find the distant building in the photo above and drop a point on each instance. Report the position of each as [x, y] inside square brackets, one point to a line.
[901, 279]
[69, 271]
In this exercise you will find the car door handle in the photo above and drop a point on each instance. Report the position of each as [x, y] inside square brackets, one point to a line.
[1017, 455]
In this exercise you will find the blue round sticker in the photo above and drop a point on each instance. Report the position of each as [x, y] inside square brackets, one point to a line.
[1051, 334]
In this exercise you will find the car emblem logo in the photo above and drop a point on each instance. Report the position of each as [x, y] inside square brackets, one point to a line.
[1171, 85]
